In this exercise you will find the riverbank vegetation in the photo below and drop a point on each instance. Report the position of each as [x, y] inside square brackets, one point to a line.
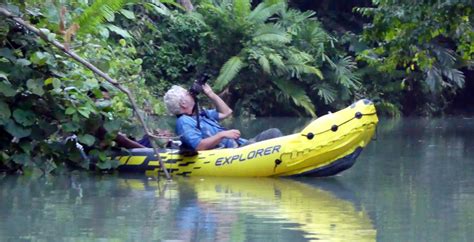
[266, 58]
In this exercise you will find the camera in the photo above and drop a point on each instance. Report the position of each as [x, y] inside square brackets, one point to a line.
[196, 88]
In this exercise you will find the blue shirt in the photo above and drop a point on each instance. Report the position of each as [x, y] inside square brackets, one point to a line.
[191, 136]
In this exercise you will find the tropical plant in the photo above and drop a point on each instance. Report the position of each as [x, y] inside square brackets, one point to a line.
[431, 42]
[45, 97]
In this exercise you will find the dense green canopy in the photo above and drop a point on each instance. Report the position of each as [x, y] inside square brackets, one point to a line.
[266, 58]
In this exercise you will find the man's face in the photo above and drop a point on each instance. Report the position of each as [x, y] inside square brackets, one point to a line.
[187, 103]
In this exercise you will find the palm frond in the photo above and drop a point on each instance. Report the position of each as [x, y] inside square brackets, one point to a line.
[298, 63]
[296, 69]
[262, 12]
[277, 60]
[241, 8]
[97, 13]
[454, 75]
[344, 71]
[445, 56]
[229, 71]
[272, 2]
[265, 64]
[326, 92]
[297, 94]
[271, 33]
[433, 78]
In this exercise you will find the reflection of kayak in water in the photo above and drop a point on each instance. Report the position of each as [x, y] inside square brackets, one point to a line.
[318, 213]
[327, 146]
[315, 213]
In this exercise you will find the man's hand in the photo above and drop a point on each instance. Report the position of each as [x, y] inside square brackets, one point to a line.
[206, 89]
[211, 142]
[230, 134]
[222, 108]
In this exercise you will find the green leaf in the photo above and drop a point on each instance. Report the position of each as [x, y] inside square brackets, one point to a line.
[6, 89]
[122, 32]
[241, 8]
[5, 113]
[25, 118]
[7, 53]
[70, 110]
[26, 146]
[104, 32]
[228, 72]
[128, 14]
[103, 104]
[87, 139]
[84, 112]
[39, 58]
[53, 81]
[271, 33]
[97, 13]
[112, 125]
[16, 130]
[262, 12]
[104, 165]
[21, 159]
[23, 62]
[35, 86]
[70, 127]
[56, 83]
[3, 75]
[265, 64]
[297, 94]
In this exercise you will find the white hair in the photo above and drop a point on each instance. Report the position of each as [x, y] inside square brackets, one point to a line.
[173, 98]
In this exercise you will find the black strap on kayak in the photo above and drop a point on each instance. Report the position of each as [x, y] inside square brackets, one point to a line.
[335, 127]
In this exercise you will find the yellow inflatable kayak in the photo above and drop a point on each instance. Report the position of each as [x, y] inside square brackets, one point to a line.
[327, 146]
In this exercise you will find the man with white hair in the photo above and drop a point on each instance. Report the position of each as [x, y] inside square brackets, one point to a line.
[206, 133]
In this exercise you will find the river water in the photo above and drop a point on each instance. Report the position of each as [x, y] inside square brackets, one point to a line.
[415, 182]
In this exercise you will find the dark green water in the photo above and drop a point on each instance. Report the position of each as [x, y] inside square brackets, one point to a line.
[414, 183]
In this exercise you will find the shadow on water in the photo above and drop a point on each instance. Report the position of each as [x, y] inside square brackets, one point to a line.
[208, 209]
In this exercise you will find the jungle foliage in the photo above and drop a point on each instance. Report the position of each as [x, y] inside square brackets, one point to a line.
[266, 58]
[45, 97]
[422, 49]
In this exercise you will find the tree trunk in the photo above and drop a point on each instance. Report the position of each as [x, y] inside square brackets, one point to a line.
[187, 4]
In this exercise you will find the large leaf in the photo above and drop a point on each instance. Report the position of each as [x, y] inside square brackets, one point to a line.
[433, 78]
[326, 92]
[242, 8]
[271, 33]
[265, 64]
[5, 113]
[128, 14]
[344, 70]
[21, 159]
[262, 12]
[454, 75]
[24, 117]
[228, 72]
[6, 89]
[122, 32]
[97, 13]
[297, 94]
[16, 130]
[87, 139]
[35, 86]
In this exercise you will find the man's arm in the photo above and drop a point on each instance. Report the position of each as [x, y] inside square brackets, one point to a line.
[211, 142]
[222, 108]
